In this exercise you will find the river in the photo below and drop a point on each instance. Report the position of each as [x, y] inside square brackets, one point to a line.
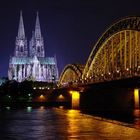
[60, 124]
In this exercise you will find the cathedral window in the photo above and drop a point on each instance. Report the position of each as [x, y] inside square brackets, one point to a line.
[21, 49]
[38, 49]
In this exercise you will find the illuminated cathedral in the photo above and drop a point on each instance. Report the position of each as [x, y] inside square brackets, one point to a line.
[29, 61]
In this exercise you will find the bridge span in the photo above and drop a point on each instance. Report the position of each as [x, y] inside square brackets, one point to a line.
[112, 71]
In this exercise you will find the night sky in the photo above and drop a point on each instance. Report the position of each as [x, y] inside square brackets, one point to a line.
[70, 27]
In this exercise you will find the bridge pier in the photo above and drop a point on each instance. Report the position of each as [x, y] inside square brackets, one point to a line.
[75, 99]
[136, 99]
[120, 95]
[107, 98]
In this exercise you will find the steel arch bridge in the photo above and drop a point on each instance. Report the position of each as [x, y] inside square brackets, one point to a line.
[116, 55]
[71, 73]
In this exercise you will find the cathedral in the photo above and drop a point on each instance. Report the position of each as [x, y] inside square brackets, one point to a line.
[29, 61]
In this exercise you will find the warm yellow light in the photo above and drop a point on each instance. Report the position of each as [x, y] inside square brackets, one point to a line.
[75, 99]
[136, 98]
[61, 107]
[75, 95]
[71, 116]
[42, 107]
[42, 97]
[61, 97]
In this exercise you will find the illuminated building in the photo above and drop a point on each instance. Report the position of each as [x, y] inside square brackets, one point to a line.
[30, 63]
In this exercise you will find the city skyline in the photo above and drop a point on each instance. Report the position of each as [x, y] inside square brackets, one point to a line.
[68, 27]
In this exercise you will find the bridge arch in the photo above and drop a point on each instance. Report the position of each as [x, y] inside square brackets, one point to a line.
[117, 52]
[71, 72]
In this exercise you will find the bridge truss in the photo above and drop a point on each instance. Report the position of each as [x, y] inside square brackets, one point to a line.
[116, 55]
[71, 73]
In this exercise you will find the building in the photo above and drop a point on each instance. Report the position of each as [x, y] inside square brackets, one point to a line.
[3, 80]
[29, 61]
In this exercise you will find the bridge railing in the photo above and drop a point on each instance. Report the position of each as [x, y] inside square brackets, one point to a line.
[128, 73]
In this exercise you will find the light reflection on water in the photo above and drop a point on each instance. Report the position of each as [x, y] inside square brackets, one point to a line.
[137, 118]
[51, 123]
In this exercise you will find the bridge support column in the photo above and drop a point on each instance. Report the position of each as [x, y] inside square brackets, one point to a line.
[136, 98]
[75, 99]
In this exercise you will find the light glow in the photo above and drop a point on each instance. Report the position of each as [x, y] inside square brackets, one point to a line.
[136, 98]
[42, 107]
[75, 99]
[61, 97]
[29, 109]
[8, 108]
[42, 98]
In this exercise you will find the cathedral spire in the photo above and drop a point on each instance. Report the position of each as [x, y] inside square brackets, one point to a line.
[21, 49]
[21, 32]
[37, 42]
[37, 27]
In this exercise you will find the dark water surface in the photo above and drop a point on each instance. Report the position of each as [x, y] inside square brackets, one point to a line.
[58, 124]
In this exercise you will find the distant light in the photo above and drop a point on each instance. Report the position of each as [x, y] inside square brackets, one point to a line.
[42, 107]
[42, 98]
[61, 107]
[29, 94]
[29, 109]
[117, 71]
[34, 87]
[61, 97]
[8, 108]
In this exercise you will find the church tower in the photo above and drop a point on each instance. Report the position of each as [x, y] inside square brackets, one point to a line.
[33, 66]
[37, 42]
[21, 49]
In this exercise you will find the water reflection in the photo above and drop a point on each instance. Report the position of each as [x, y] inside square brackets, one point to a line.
[137, 113]
[81, 126]
[42, 108]
[50, 123]
[137, 118]
[73, 127]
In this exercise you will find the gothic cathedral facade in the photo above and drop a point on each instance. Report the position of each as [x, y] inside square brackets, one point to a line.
[30, 63]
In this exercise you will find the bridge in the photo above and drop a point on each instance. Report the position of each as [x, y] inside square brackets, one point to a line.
[115, 58]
